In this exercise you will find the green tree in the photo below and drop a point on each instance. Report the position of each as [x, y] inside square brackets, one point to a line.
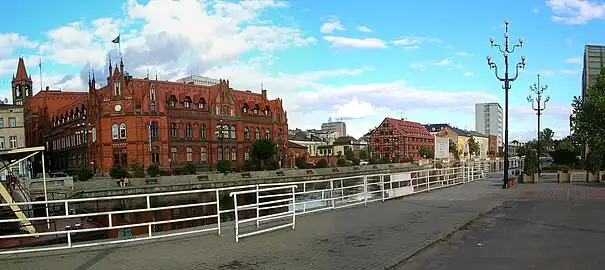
[300, 162]
[322, 163]
[426, 152]
[365, 153]
[85, 173]
[546, 139]
[137, 170]
[224, 166]
[263, 151]
[190, 168]
[587, 122]
[349, 154]
[473, 147]
[153, 170]
[454, 150]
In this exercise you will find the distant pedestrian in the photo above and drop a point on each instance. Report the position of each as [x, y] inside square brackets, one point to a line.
[126, 182]
[122, 181]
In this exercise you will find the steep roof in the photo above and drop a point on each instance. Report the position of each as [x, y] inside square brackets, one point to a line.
[344, 140]
[460, 132]
[410, 129]
[477, 134]
[435, 127]
[21, 71]
[295, 145]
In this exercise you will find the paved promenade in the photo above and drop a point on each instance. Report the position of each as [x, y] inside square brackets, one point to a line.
[546, 226]
[382, 235]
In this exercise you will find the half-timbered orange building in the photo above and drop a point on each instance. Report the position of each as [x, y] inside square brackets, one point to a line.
[150, 121]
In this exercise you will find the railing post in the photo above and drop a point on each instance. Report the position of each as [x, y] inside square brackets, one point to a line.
[69, 239]
[149, 230]
[258, 208]
[332, 193]
[293, 208]
[110, 223]
[304, 196]
[218, 211]
[382, 186]
[236, 218]
[365, 190]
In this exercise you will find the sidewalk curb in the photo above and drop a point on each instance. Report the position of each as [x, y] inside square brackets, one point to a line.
[441, 237]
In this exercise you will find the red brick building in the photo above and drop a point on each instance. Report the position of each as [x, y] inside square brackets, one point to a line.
[400, 140]
[492, 149]
[150, 121]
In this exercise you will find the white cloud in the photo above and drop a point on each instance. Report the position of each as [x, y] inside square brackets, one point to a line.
[576, 11]
[332, 24]
[364, 29]
[442, 63]
[574, 60]
[535, 10]
[354, 109]
[411, 40]
[11, 41]
[468, 74]
[344, 42]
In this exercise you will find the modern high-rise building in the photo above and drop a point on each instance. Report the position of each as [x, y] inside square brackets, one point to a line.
[488, 120]
[338, 126]
[594, 61]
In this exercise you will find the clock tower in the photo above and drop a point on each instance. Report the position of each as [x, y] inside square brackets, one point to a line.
[21, 84]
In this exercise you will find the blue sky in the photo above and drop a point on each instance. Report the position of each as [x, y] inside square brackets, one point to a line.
[356, 60]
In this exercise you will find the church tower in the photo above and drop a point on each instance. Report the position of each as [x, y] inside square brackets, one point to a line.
[21, 84]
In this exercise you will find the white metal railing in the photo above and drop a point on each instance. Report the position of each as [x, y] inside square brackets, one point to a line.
[295, 198]
[273, 201]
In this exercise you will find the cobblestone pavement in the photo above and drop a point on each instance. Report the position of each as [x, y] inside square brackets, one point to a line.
[540, 226]
[371, 237]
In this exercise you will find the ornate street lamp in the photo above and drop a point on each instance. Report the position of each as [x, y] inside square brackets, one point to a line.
[539, 107]
[506, 80]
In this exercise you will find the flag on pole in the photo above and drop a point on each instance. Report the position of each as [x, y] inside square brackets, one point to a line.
[116, 40]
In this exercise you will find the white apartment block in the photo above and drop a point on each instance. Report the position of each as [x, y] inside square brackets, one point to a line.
[488, 120]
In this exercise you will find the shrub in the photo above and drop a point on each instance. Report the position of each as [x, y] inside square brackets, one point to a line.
[223, 166]
[136, 170]
[300, 162]
[118, 172]
[322, 163]
[85, 174]
[190, 168]
[153, 170]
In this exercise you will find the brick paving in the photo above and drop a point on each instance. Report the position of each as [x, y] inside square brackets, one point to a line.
[374, 237]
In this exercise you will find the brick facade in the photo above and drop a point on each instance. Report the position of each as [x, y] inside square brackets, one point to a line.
[400, 140]
[150, 121]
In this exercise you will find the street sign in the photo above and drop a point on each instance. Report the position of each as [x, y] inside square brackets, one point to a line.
[442, 147]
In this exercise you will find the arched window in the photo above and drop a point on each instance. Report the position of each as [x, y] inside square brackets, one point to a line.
[280, 136]
[152, 92]
[174, 132]
[233, 154]
[267, 111]
[115, 132]
[232, 132]
[155, 130]
[245, 108]
[226, 155]
[256, 109]
[220, 153]
[225, 110]
[117, 89]
[152, 106]
[188, 131]
[247, 153]
[94, 134]
[187, 102]
[189, 154]
[256, 133]
[175, 155]
[204, 154]
[202, 103]
[203, 131]
[155, 155]
[246, 133]
[267, 134]
[122, 131]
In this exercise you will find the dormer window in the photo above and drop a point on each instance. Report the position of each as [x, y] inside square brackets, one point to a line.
[172, 101]
[202, 104]
[245, 108]
[267, 111]
[256, 109]
[117, 89]
[187, 102]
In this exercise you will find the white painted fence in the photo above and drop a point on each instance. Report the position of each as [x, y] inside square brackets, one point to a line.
[290, 199]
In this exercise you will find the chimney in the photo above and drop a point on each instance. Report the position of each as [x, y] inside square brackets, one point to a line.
[47, 88]
[264, 93]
